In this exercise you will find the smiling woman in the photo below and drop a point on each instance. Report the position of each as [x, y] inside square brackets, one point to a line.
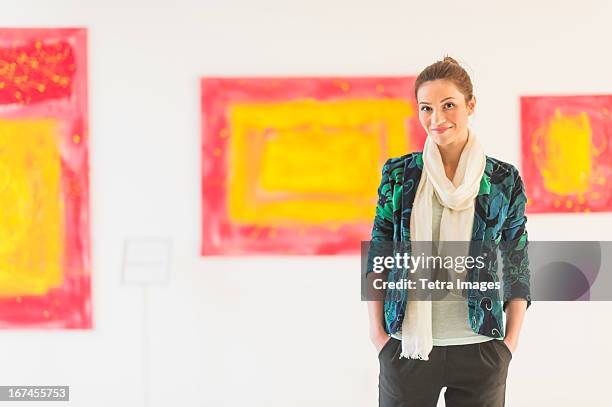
[445, 96]
[449, 192]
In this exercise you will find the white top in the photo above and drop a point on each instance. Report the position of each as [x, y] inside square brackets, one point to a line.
[450, 324]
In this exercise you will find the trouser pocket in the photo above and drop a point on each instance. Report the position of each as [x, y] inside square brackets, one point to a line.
[385, 346]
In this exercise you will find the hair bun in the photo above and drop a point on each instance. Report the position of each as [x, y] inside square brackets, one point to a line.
[451, 60]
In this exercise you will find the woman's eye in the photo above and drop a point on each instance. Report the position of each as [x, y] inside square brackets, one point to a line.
[425, 109]
[449, 105]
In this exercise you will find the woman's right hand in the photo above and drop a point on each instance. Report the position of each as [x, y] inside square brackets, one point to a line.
[379, 338]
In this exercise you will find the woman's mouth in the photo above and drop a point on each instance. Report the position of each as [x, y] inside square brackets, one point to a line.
[440, 129]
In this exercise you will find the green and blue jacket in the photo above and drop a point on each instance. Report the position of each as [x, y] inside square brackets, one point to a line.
[499, 224]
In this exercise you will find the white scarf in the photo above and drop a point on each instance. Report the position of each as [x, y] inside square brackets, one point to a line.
[456, 225]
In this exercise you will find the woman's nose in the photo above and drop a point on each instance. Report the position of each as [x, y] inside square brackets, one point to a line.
[438, 117]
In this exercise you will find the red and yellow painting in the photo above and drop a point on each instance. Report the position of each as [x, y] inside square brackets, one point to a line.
[566, 154]
[44, 227]
[292, 165]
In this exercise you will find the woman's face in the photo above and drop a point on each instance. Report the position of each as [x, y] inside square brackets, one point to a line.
[443, 112]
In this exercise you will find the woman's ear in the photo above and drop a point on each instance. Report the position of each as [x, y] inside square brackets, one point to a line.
[471, 105]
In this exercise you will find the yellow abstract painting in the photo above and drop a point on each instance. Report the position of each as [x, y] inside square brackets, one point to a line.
[567, 160]
[292, 165]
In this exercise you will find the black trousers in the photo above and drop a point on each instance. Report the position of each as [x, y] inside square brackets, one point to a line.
[474, 376]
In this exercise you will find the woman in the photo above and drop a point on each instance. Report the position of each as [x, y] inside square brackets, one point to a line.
[451, 191]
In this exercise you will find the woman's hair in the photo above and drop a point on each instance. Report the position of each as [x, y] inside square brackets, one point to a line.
[450, 70]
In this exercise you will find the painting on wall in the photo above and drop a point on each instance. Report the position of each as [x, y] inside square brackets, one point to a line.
[566, 153]
[44, 227]
[292, 165]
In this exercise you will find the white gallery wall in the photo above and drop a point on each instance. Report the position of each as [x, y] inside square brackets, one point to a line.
[288, 331]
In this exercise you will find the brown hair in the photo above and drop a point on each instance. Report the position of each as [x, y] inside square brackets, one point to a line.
[450, 70]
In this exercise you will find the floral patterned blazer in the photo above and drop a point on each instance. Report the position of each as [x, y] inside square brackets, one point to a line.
[499, 224]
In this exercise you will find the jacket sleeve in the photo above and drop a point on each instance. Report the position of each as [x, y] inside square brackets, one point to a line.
[513, 247]
[382, 230]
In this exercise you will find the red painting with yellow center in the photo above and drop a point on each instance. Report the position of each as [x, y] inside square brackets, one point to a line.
[44, 225]
[292, 165]
[566, 153]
